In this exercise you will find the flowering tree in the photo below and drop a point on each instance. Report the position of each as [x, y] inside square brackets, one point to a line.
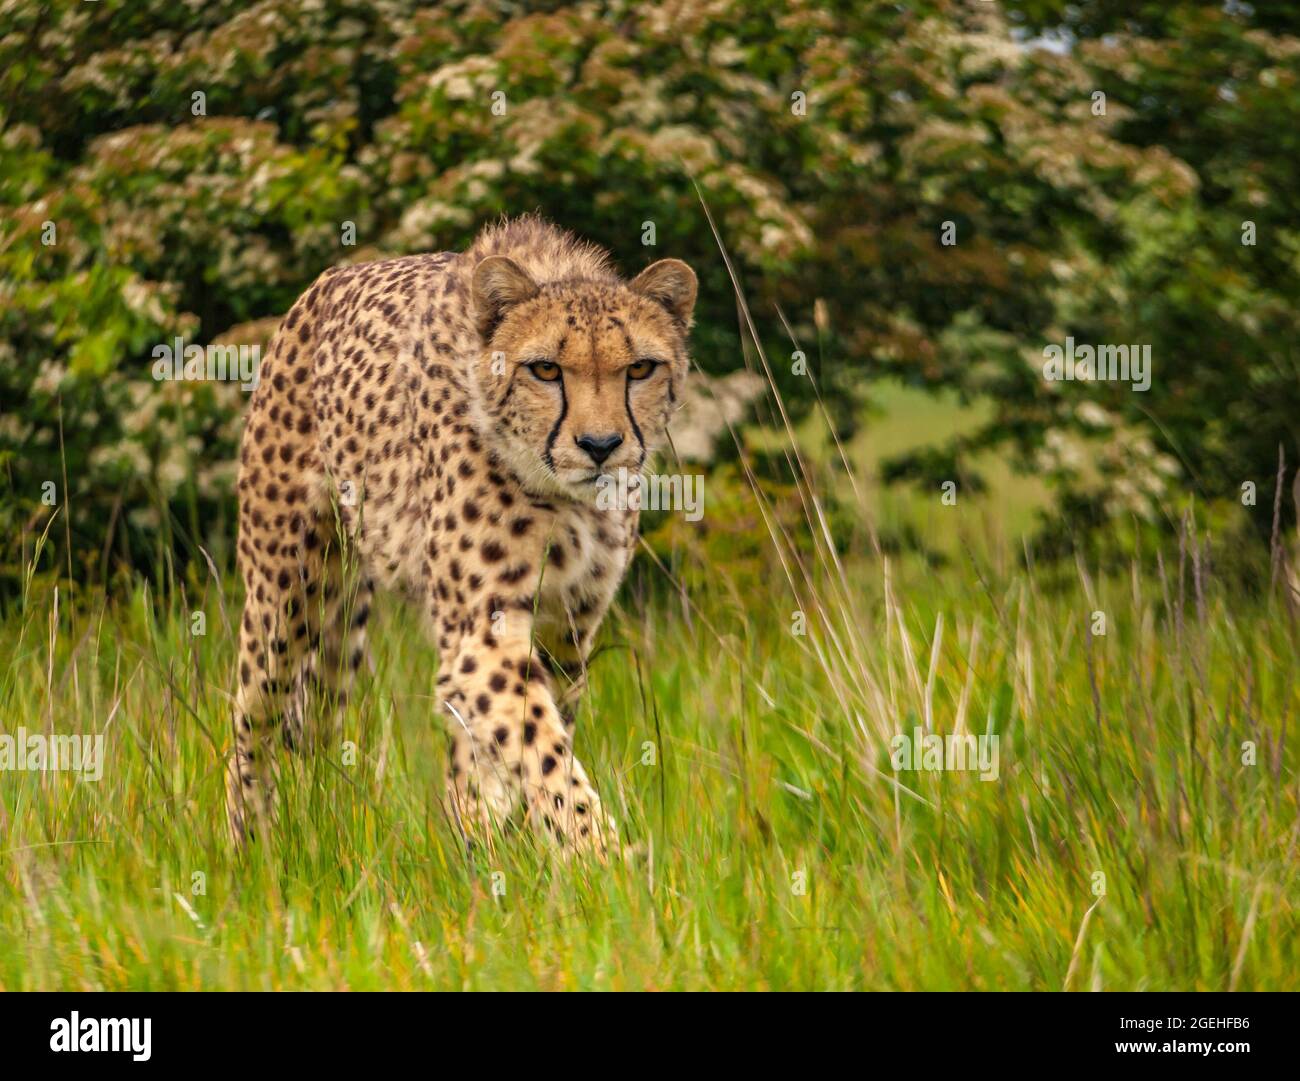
[925, 190]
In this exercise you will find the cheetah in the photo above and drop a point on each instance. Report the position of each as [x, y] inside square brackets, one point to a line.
[438, 425]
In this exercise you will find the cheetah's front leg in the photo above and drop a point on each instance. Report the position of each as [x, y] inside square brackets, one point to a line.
[509, 740]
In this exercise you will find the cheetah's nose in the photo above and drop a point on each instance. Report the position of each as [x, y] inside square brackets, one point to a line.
[599, 447]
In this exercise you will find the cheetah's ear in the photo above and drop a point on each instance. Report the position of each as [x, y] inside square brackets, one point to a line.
[498, 285]
[672, 283]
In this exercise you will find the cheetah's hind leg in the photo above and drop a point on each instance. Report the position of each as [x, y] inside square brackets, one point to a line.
[336, 652]
[289, 587]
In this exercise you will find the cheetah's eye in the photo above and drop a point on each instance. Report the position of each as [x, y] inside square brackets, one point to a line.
[545, 370]
[642, 369]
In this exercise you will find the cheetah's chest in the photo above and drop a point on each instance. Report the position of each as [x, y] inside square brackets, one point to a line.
[587, 551]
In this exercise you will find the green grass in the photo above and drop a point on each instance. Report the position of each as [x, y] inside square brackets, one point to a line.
[904, 419]
[1124, 845]
[1119, 756]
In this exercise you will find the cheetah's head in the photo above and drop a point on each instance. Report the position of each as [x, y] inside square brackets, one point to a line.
[579, 378]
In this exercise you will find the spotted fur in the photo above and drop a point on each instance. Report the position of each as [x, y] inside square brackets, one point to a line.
[436, 424]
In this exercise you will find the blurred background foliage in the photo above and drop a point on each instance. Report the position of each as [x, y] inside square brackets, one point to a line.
[199, 163]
